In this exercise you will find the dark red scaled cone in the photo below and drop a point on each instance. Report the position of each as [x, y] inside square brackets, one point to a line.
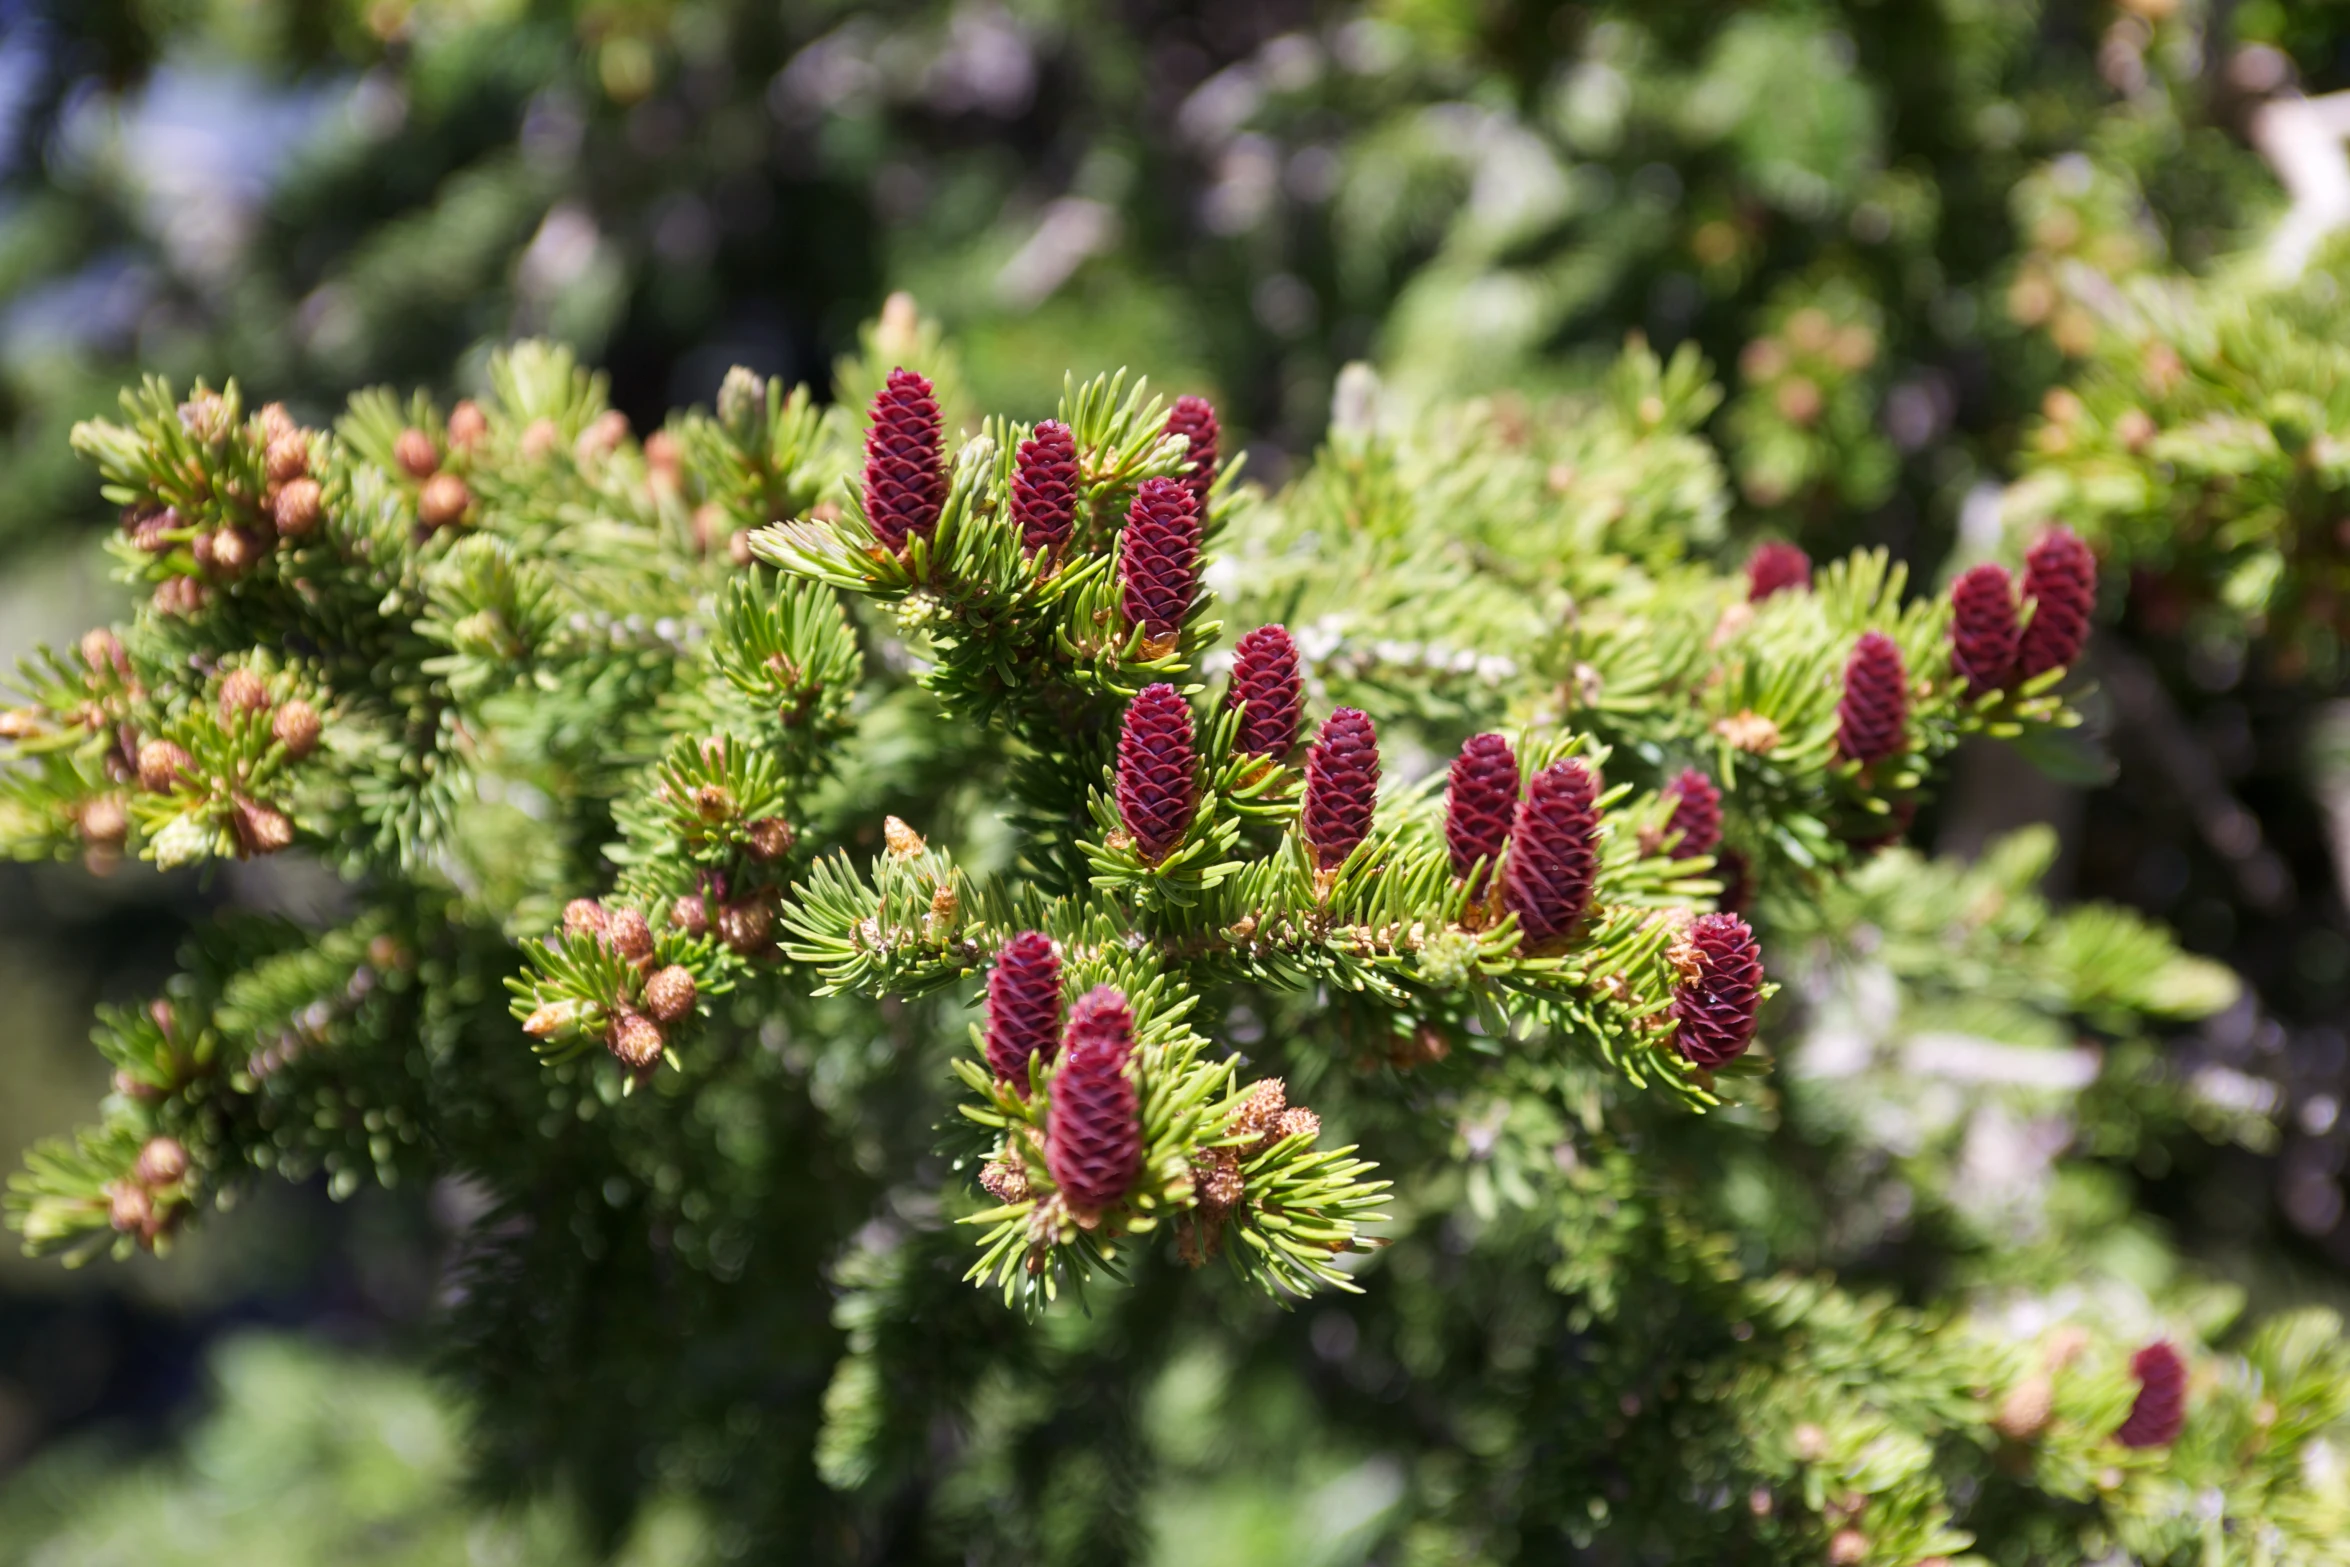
[1265, 676]
[1775, 566]
[1093, 1134]
[1023, 1006]
[1158, 558]
[1194, 418]
[1044, 486]
[1479, 799]
[1737, 879]
[905, 469]
[1553, 852]
[1697, 814]
[1157, 766]
[1342, 784]
[1870, 719]
[2060, 578]
[1720, 991]
[2161, 1407]
[1983, 631]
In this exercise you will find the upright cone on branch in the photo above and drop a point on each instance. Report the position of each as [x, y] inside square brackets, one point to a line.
[905, 462]
[1696, 824]
[1872, 717]
[1480, 798]
[1342, 787]
[1044, 487]
[1194, 418]
[1775, 567]
[1720, 991]
[1265, 675]
[1093, 1130]
[1158, 767]
[2159, 1412]
[1984, 637]
[1023, 1006]
[2060, 578]
[1158, 560]
[1554, 852]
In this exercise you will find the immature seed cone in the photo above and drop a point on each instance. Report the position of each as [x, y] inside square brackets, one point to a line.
[234, 550]
[2161, 1407]
[628, 935]
[1553, 852]
[1774, 566]
[2060, 578]
[1157, 785]
[272, 420]
[1044, 486]
[296, 727]
[1983, 633]
[242, 691]
[771, 838]
[416, 454]
[1342, 782]
[1194, 418]
[288, 458]
[585, 917]
[1093, 1135]
[905, 472]
[467, 425]
[669, 994]
[747, 927]
[1158, 558]
[104, 821]
[259, 829]
[1479, 801]
[129, 1208]
[162, 765]
[1719, 992]
[2023, 1413]
[162, 1162]
[690, 914]
[1697, 813]
[298, 508]
[635, 1042]
[442, 501]
[1023, 1006]
[1265, 676]
[1870, 718]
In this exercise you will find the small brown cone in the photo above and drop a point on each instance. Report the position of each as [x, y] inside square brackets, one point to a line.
[415, 453]
[296, 727]
[443, 501]
[635, 1042]
[298, 508]
[669, 994]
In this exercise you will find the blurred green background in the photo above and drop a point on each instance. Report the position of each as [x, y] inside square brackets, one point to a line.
[1843, 204]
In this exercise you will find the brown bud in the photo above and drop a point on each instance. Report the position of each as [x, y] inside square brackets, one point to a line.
[103, 821]
[547, 1021]
[467, 425]
[259, 829]
[1799, 400]
[690, 914]
[442, 501]
[129, 1208]
[771, 838]
[273, 421]
[627, 934]
[601, 438]
[713, 803]
[903, 841]
[205, 417]
[584, 917]
[540, 440]
[1005, 1181]
[234, 550]
[180, 596]
[2135, 429]
[102, 652]
[1298, 1121]
[663, 456]
[2023, 1413]
[748, 927]
[242, 691]
[20, 723]
[298, 508]
[289, 457]
[163, 1162]
[1848, 1548]
[635, 1041]
[162, 765]
[416, 454]
[154, 533]
[296, 728]
[669, 994]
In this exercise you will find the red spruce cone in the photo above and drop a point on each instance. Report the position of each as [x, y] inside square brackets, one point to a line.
[1044, 486]
[1093, 1134]
[1553, 852]
[1983, 634]
[1194, 418]
[1717, 998]
[2161, 1407]
[1157, 766]
[2060, 578]
[1479, 801]
[1023, 1007]
[1265, 676]
[905, 467]
[1775, 566]
[1342, 785]
[1876, 701]
[1697, 813]
[1158, 559]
